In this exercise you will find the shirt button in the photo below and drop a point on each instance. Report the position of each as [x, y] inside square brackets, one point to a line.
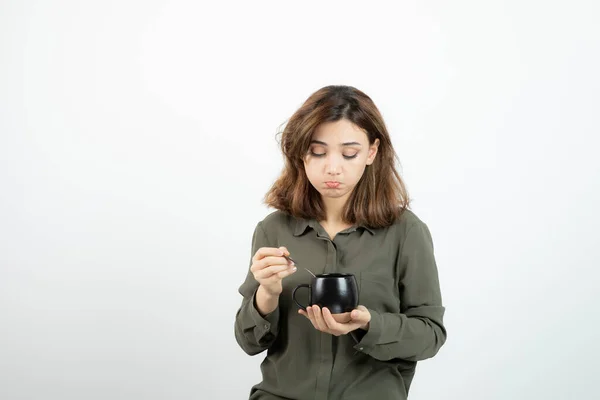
[360, 348]
[266, 326]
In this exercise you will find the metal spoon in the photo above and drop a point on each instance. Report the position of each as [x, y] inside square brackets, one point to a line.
[295, 263]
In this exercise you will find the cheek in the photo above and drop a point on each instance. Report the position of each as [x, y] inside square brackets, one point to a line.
[311, 169]
[354, 172]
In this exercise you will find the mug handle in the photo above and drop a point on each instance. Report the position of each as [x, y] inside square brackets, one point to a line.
[306, 285]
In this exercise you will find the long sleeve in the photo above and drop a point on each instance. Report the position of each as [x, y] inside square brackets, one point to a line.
[253, 332]
[417, 332]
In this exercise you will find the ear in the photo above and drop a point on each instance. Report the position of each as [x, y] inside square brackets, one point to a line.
[373, 152]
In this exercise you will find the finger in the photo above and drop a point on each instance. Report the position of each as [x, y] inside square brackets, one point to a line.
[266, 251]
[268, 262]
[269, 271]
[311, 317]
[338, 328]
[276, 277]
[262, 261]
[330, 322]
[319, 319]
[287, 272]
[284, 250]
[362, 309]
[271, 260]
[360, 314]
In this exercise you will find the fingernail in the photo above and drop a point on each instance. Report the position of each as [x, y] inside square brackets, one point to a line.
[294, 269]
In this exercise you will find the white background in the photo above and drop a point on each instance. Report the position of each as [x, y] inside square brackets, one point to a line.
[137, 139]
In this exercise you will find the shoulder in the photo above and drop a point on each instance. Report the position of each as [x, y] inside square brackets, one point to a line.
[274, 222]
[408, 221]
[276, 218]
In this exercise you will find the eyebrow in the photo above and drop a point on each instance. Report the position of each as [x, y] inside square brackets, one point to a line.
[343, 144]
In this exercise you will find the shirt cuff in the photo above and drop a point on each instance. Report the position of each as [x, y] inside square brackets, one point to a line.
[263, 326]
[366, 342]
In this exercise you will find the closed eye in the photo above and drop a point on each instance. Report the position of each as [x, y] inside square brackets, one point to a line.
[312, 153]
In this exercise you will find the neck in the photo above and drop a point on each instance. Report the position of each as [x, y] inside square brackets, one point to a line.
[333, 210]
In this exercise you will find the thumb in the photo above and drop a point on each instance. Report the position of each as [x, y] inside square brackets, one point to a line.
[359, 314]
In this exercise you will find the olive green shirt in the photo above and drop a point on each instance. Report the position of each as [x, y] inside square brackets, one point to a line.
[398, 282]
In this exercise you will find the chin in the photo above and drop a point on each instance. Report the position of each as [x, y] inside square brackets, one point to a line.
[333, 195]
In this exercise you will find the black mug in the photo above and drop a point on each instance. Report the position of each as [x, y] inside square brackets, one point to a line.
[336, 291]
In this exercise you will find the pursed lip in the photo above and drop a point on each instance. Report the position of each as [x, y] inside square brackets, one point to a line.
[332, 184]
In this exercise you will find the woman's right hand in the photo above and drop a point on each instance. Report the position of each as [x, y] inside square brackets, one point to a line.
[269, 267]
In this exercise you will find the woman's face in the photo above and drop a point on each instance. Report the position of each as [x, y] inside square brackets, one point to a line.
[338, 154]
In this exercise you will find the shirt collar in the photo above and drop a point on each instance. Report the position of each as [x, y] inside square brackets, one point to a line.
[303, 223]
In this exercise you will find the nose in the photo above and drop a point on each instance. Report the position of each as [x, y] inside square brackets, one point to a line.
[333, 166]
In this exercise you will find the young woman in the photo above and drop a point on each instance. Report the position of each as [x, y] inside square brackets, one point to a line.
[341, 206]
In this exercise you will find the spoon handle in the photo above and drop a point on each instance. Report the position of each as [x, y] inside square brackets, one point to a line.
[295, 263]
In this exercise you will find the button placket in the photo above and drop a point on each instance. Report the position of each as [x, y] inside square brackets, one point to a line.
[324, 371]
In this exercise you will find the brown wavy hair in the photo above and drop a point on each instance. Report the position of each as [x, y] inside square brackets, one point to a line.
[380, 195]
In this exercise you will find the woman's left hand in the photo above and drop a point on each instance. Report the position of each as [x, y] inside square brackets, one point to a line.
[324, 321]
